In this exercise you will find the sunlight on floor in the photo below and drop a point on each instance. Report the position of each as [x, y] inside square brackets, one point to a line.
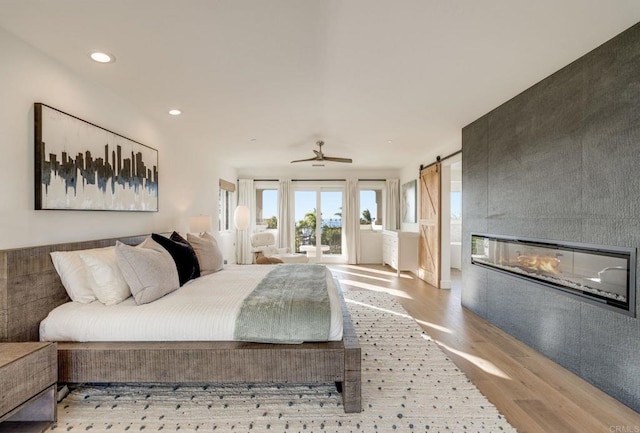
[371, 277]
[434, 326]
[350, 301]
[374, 271]
[367, 286]
[484, 365]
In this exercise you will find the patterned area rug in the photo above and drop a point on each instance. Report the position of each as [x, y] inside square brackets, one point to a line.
[409, 385]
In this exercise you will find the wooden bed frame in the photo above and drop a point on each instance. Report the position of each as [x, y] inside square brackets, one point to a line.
[30, 288]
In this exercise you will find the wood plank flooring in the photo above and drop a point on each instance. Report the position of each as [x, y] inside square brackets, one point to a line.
[534, 393]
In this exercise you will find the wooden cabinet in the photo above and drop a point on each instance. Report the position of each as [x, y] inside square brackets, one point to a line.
[400, 250]
[28, 376]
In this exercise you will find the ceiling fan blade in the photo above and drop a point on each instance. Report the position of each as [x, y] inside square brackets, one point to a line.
[333, 159]
[320, 156]
[305, 160]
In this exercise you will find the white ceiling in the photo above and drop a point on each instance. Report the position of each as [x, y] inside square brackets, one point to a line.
[355, 73]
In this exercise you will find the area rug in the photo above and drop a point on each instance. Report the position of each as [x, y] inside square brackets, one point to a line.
[409, 385]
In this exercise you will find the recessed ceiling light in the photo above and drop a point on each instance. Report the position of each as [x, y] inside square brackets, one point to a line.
[101, 57]
[390, 141]
[175, 112]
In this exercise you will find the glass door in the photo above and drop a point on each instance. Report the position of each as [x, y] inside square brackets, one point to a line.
[319, 234]
[305, 205]
[331, 224]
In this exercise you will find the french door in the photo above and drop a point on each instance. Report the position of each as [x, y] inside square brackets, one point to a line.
[319, 235]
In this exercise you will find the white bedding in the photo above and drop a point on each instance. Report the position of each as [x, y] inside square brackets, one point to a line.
[204, 309]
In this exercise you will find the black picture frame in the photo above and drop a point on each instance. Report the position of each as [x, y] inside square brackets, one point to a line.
[82, 166]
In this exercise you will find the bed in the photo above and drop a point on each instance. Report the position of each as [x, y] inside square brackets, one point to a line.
[30, 288]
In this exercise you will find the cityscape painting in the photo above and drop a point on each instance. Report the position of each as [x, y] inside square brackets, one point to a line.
[81, 166]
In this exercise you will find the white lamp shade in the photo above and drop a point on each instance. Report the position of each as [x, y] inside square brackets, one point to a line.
[200, 224]
[241, 217]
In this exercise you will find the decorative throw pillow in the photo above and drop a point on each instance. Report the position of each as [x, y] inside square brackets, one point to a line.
[148, 269]
[208, 236]
[73, 275]
[104, 276]
[175, 236]
[209, 255]
[183, 255]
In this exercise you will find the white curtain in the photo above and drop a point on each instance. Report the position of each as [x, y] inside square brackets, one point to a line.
[392, 208]
[351, 220]
[246, 197]
[285, 225]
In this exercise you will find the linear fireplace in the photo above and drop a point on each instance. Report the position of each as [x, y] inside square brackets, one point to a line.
[599, 274]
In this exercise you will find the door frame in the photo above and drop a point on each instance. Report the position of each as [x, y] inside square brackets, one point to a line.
[445, 220]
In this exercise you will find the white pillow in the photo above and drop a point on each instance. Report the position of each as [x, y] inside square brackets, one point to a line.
[148, 269]
[209, 255]
[104, 276]
[73, 275]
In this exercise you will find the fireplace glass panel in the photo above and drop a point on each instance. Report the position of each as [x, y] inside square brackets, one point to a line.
[597, 273]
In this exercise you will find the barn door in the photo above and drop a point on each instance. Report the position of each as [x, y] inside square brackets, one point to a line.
[429, 244]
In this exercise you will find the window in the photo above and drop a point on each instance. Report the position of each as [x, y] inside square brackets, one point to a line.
[224, 206]
[266, 207]
[225, 203]
[370, 208]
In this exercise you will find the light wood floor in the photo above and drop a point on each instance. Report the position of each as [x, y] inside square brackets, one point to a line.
[534, 393]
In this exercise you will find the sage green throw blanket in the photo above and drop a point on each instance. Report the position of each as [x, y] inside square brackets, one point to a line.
[290, 305]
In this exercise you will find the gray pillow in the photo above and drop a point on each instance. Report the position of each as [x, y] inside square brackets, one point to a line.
[208, 253]
[148, 269]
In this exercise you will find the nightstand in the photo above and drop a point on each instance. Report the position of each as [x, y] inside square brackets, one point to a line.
[28, 376]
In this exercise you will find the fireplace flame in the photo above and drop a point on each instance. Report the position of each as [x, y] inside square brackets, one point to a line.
[540, 263]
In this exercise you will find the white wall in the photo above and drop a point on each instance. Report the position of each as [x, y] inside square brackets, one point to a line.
[188, 179]
[304, 171]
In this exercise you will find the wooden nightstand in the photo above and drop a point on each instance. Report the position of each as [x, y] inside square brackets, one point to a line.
[28, 376]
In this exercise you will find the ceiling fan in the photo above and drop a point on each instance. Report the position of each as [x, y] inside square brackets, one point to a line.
[320, 156]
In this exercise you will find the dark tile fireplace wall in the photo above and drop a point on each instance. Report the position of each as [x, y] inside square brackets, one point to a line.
[561, 161]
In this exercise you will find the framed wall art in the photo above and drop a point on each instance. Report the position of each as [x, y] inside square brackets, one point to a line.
[81, 166]
[409, 202]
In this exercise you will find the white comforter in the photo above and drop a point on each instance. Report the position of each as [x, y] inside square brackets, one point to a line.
[204, 309]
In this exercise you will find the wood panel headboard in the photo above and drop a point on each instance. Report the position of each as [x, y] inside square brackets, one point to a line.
[30, 286]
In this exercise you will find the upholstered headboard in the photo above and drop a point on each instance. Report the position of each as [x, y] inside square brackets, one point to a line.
[30, 286]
